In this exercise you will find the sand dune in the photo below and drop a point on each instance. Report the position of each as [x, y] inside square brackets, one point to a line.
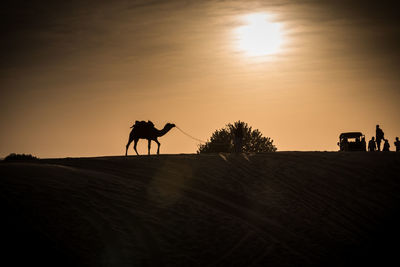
[273, 209]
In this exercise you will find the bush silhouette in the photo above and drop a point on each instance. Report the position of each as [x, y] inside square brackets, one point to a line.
[19, 157]
[222, 140]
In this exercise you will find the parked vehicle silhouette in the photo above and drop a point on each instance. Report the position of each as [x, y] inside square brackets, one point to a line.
[352, 141]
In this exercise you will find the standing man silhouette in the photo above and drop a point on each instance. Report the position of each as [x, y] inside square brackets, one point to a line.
[372, 145]
[379, 137]
[397, 144]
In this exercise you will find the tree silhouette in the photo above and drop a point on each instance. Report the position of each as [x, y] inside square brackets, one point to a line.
[222, 140]
[20, 157]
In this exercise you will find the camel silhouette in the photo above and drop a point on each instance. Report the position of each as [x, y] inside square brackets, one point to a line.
[146, 130]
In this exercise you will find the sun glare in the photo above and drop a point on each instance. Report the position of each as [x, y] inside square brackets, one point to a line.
[259, 36]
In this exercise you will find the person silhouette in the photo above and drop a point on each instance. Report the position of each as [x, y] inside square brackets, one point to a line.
[397, 144]
[386, 145]
[372, 145]
[379, 137]
[238, 138]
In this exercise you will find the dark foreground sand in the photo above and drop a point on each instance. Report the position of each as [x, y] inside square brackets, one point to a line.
[274, 209]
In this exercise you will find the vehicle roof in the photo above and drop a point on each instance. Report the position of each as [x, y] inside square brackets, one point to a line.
[351, 135]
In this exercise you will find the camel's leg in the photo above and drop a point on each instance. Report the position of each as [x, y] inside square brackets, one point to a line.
[127, 145]
[135, 144]
[149, 145]
[158, 148]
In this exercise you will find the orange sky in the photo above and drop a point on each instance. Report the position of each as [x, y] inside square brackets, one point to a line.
[75, 77]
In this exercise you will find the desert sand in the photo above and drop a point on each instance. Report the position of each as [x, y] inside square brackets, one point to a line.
[272, 209]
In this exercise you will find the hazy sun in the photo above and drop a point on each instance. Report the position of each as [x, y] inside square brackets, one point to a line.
[259, 36]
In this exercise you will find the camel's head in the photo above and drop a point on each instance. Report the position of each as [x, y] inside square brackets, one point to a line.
[169, 125]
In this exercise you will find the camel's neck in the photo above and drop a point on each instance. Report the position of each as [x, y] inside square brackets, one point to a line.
[163, 131]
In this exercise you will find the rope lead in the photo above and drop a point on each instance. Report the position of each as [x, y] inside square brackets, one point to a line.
[188, 135]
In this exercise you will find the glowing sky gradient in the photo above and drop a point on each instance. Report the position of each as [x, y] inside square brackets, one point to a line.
[74, 76]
